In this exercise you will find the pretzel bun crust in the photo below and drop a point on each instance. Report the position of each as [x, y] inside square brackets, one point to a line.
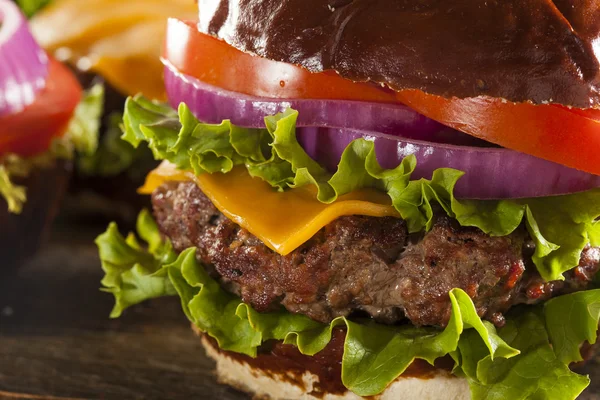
[535, 51]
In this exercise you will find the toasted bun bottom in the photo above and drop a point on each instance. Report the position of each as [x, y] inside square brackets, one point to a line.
[265, 384]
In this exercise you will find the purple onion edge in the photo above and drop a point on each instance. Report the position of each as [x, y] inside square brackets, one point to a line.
[25, 67]
[522, 179]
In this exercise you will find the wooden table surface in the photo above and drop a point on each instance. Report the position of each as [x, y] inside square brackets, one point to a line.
[56, 341]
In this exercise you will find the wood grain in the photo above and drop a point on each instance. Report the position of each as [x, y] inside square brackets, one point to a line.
[57, 343]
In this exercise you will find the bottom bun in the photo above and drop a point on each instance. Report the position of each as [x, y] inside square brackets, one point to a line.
[265, 379]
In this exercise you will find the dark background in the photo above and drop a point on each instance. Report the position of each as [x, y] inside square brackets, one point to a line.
[57, 342]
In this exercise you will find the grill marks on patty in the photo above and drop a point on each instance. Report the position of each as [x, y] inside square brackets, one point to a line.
[365, 265]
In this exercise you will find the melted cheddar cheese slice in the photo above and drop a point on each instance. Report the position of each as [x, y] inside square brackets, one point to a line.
[282, 220]
[119, 39]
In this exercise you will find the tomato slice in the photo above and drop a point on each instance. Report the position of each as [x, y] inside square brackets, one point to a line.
[567, 136]
[31, 131]
[217, 63]
[564, 135]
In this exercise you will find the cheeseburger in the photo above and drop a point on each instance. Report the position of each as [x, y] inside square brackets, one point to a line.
[383, 199]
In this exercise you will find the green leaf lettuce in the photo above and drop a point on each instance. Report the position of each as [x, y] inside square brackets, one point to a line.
[572, 320]
[518, 361]
[537, 373]
[115, 156]
[31, 7]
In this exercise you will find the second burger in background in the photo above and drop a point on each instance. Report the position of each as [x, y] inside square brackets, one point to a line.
[45, 120]
[119, 42]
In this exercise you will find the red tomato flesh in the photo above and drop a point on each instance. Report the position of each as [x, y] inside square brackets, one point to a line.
[217, 63]
[31, 131]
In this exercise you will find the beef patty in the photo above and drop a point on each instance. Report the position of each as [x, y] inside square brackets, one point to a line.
[359, 264]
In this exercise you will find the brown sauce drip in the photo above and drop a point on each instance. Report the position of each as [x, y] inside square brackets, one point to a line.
[287, 363]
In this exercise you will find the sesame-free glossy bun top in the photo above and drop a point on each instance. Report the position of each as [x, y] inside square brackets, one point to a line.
[520, 50]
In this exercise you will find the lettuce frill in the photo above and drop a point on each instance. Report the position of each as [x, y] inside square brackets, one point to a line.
[115, 156]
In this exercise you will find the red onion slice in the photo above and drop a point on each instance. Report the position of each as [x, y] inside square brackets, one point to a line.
[326, 127]
[491, 173]
[249, 111]
[23, 64]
